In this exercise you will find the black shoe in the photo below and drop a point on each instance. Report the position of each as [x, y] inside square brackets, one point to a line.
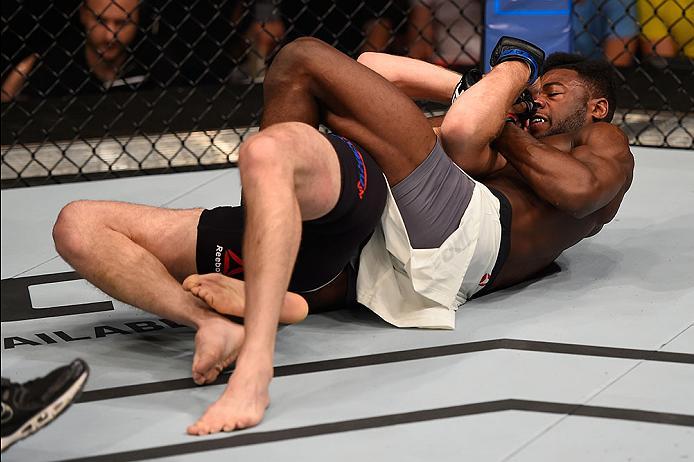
[28, 406]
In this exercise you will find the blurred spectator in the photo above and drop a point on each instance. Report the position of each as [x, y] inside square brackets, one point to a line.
[214, 41]
[382, 24]
[667, 27]
[606, 28]
[196, 39]
[378, 35]
[351, 26]
[101, 62]
[110, 27]
[446, 32]
[263, 32]
[29, 29]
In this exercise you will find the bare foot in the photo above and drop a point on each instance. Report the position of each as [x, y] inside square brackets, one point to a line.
[242, 405]
[226, 295]
[217, 344]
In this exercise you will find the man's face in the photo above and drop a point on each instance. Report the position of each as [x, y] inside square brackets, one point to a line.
[562, 99]
[110, 25]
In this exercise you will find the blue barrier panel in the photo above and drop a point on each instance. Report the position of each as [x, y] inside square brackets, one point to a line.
[547, 23]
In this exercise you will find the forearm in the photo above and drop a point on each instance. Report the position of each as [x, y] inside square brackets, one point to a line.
[417, 79]
[553, 174]
[477, 166]
[477, 116]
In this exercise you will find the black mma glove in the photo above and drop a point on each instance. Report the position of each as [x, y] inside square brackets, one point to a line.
[513, 49]
[468, 79]
[526, 99]
[519, 117]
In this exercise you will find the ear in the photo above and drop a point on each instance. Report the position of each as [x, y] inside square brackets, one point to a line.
[598, 108]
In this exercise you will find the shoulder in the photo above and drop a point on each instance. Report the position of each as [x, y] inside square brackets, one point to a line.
[605, 140]
[602, 133]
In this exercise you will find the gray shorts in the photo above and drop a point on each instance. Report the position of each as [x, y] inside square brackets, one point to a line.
[432, 199]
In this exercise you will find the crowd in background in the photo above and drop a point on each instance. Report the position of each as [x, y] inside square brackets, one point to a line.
[77, 46]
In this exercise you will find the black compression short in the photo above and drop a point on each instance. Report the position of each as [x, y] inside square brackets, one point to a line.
[505, 218]
[327, 243]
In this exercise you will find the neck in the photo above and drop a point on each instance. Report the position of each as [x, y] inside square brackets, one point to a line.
[106, 71]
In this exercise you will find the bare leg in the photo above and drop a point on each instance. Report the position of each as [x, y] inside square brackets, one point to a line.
[311, 82]
[138, 254]
[280, 191]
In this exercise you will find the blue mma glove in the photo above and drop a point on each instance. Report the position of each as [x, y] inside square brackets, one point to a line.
[513, 49]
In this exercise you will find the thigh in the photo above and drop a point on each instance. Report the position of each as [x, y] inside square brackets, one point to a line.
[361, 105]
[328, 243]
[299, 151]
[168, 234]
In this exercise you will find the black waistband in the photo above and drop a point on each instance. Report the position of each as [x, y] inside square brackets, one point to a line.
[505, 216]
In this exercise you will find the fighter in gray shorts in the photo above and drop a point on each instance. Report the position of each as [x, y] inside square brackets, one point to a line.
[433, 199]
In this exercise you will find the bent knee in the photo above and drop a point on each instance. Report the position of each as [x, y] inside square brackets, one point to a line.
[79, 224]
[302, 49]
[260, 156]
[69, 226]
[295, 61]
[270, 150]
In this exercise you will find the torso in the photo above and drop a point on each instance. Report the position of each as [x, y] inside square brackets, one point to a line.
[539, 231]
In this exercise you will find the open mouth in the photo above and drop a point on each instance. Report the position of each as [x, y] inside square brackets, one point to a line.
[538, 120]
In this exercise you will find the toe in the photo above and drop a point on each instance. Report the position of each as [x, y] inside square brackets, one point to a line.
[213, 373]
[198, 378]
[191, 281]
[201, 370]
[195, 429]
[203, 293]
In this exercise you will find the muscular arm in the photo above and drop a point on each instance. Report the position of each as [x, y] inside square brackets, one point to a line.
[579, 181]
[477, 116]
[417, 79]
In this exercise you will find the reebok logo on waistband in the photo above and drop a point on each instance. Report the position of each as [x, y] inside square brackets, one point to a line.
[230, 264]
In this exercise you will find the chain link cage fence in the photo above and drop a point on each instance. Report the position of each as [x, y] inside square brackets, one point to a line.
[97, 89]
